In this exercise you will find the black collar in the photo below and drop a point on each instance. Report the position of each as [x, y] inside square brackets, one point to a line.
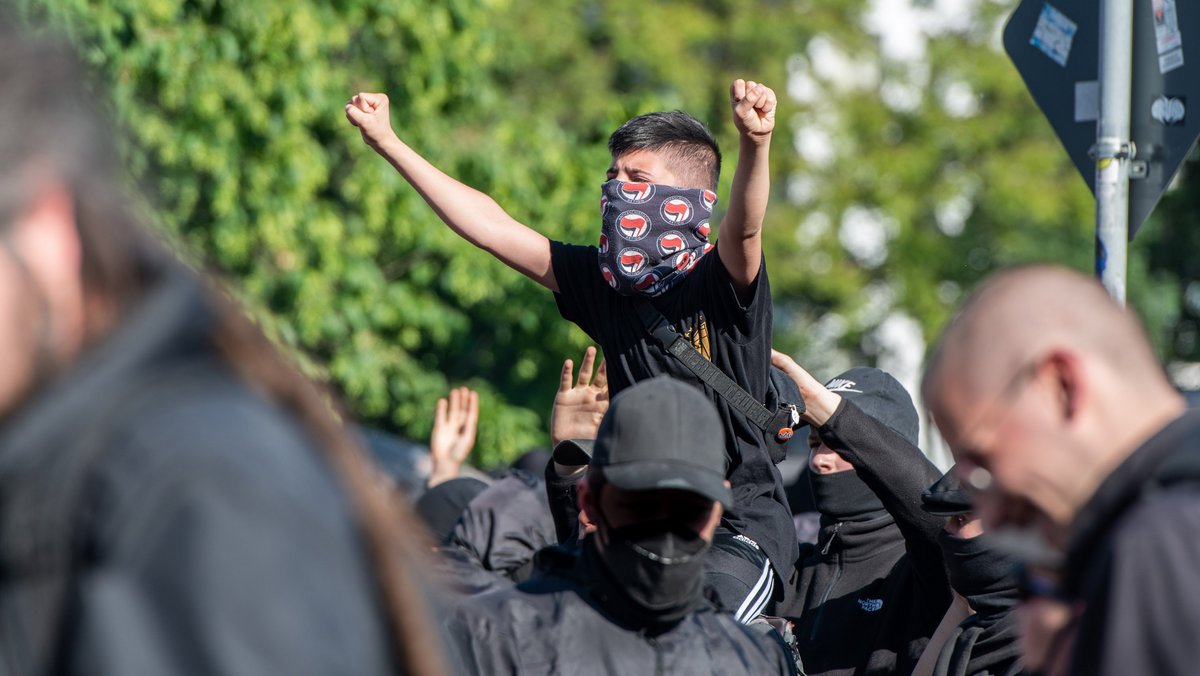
[1172, 454]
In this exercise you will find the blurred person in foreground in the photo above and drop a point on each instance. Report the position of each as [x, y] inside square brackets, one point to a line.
[1063, 424]
[174, 497]
[630, 599]
[867, 596]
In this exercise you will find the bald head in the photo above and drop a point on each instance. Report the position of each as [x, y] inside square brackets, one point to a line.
[1045, 384]
[1024, 311]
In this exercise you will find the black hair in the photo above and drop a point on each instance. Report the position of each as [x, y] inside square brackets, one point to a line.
[686, 139]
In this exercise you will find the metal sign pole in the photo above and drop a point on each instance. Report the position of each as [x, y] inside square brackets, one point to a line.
[1114, 150]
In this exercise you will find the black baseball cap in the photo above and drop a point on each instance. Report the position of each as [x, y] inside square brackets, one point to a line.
[573, 452]
[663, 434]
[880, 396]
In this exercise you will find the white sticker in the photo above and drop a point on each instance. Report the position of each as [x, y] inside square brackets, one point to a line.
[1170, 61]
[1169, 110]
[1166, 26]
[1053, 34]
[1087, 101]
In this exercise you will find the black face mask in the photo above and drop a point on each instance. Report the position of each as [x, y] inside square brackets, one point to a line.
[984, 576]
[843, 496]
[658, 565]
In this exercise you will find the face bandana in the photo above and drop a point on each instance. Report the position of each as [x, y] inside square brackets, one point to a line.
[660, 567]
[652, 235]
[983, 575]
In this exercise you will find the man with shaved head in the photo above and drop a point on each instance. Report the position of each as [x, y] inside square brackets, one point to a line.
[1061, 419]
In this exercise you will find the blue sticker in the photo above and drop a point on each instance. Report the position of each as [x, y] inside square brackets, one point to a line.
[1054, 34]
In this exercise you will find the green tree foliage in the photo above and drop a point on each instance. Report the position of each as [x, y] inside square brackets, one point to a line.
[900, 179]
[234, 111]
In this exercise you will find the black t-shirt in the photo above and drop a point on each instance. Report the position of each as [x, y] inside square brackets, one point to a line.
[736, 337]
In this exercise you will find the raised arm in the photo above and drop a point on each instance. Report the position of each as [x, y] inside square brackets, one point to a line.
[740, 245]
[470, 213]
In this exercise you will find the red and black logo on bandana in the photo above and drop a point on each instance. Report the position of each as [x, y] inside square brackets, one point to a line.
[674, 220]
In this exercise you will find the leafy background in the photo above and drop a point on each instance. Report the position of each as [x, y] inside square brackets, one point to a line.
[910, 163]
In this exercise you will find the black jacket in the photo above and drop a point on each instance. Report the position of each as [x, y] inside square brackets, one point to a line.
[984, 644]
[868, 595]
[193, 528]
[493, 543]
[1132, 558]
[570, 621]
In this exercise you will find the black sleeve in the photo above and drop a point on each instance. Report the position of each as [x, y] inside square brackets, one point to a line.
[743, 319]
[583, 295]
[564, 503]
[506, 524]
[1144, 601]
[898, 472]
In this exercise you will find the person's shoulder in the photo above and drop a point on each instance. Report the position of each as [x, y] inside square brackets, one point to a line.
[1163, 516]
[220, 419]
[515, 610]
[220, 437]
[758, 646]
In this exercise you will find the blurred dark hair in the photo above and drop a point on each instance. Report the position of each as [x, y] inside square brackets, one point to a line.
[680, 136]
[53, 134]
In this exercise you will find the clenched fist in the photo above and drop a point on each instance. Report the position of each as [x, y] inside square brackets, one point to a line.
[371, 114]
[753, 109]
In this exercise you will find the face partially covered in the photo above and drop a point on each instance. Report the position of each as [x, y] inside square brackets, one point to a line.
[822, 459]
[1009, 446]
[654, 227]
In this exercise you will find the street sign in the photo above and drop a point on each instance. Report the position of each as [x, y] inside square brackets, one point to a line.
[1055, 47]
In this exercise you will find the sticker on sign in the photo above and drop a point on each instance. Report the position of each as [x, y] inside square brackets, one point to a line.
[1169, 110]
[1053, 34]
[1167, 36]
[1170, 61]
[1166, 26]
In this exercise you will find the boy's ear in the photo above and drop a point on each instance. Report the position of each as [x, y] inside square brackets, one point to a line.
[585, 499]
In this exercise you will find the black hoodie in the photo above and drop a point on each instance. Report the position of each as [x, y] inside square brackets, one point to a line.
[866, 598]
[984, 644]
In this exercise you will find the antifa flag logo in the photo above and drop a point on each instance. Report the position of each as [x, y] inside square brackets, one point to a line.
[647, 281]
[603, 204]
[685, 261]
[677, 210]
[608, 275]
[671, 243]
[636, 193]
[603, 244]
[708, 198]
[632, 261]
[703, 230]
[634, 225]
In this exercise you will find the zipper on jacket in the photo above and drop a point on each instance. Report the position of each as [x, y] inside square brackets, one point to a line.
[837, 528]
[837, 575]
[658, 663]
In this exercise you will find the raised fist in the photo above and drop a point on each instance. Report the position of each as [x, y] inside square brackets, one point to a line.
[371, 114]
[753, 108]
